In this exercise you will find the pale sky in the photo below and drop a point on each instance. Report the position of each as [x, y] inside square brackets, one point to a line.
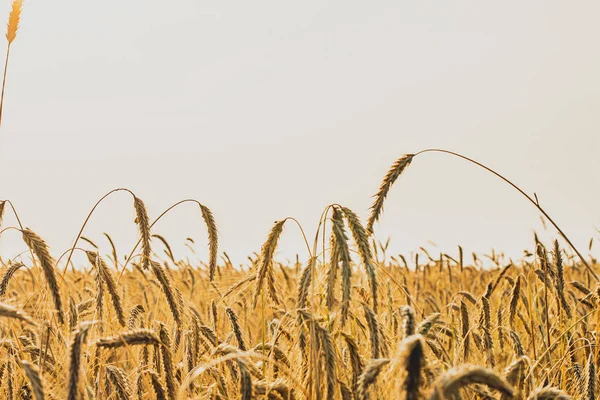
[263, 110]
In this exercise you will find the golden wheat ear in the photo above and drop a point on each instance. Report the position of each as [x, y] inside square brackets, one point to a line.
[13, 20]
[393, 173]
[11, 34]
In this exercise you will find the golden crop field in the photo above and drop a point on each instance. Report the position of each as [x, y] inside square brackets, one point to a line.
[353, 323]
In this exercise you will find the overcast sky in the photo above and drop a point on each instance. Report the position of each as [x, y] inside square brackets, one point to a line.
[263, 110]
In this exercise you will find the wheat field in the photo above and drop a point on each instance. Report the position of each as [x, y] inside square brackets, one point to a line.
[352, 323]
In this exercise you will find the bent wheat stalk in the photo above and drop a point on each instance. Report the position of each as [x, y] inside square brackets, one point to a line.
[140, 336]
[450, 382]
[8, 311]
[399, 166]
[368, 377]
[213, 237]
[85, 223]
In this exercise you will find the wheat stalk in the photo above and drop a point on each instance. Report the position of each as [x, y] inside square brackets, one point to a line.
[328, 354]
[159, 390]
[235, 325]
[485, 325]
[113, 249]
[40, 248]
[364, 250]
[412, 358]
[11, 34]
[515, 375]
[548, 393]
[168, 290]
[119, 380]
[403, 162]
[265, 268]
[393, 173]
[451, 381]
[167, 358]
[514, 302]
[373, 330]
[34, 379]
[109, 281]
[368, 377]
[465, 327]
[139, 336]
[8, 311]
[408, 322]
[143, 223]
[213, 239]
[12, 268]
[343, 254]
[77, 342]
[136, 312]
[560, 279]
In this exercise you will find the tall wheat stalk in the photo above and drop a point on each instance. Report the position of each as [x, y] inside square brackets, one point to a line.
[11, 34]
[399, 166]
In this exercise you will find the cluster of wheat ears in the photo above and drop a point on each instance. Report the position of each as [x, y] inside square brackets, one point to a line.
[352, 323]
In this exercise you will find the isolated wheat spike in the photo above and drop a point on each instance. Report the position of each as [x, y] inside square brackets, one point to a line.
[13, 20]
[11, 34]
[393, 173]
